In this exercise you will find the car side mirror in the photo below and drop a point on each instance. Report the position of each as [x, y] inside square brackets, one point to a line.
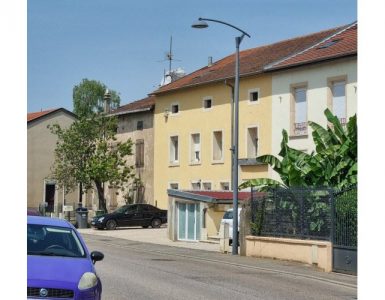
[96, 256]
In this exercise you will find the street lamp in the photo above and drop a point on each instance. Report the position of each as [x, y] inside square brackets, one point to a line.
[201, 23]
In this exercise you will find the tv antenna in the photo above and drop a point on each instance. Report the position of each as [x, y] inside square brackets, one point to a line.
[169, 56]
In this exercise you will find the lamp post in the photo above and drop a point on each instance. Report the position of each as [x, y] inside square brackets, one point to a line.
[201, 23]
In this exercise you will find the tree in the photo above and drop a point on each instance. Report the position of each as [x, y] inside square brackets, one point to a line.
[88, 98]
[332, 164]
[87, 153]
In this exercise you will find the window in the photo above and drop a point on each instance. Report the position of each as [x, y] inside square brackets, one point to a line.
[300, 111]
[225, 186]
[328, 44]
[139, 125]
[195, 148]
[207, 103]
[174, 149]
[339, 100]
[174, 108]
[196, 185]
[139, 153]
[217, 145]
[174, 186]
[252, 142]
[254, 95]
[207, 186]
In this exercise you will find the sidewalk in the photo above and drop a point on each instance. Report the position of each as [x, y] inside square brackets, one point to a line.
[150, 235]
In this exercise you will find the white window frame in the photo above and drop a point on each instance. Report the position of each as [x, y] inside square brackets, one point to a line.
[343, 119]
[224, 182]
[199, 182]
[171, 160]
[221, 160]
[206, 182]
[247, 141]
[171, 110]
[192, 151]
[250, 91]
[173, 182]
[204, 101]
[298, 129]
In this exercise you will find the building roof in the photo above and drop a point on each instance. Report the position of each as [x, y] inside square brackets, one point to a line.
[219, 197]
[223, 195]
[341, 44]
[252, 61]
[37, 115]
[145, 104]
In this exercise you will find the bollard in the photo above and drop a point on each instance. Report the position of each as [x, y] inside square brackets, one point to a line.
[224, 238]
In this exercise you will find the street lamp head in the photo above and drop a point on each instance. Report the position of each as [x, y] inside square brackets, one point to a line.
[199, 24]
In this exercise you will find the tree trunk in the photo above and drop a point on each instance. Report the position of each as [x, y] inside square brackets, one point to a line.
[102, 200]
[80, 192]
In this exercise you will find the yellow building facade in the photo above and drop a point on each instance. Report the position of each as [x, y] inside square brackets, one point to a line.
[193, 135]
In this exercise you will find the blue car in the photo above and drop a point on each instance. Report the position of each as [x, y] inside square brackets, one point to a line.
[59, 264]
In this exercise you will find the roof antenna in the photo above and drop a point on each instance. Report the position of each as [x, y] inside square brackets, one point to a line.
[171, 75]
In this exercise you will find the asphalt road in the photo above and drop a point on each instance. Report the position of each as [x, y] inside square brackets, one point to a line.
[135, 270]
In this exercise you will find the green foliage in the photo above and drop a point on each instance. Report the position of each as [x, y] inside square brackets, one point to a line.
[87, 153]
[88, 98]
[333, 164]
[346, 217]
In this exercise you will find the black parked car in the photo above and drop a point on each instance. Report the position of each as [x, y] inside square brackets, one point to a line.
[144, 215]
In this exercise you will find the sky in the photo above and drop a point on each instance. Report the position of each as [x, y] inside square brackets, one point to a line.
[123, 44]
[48, 46]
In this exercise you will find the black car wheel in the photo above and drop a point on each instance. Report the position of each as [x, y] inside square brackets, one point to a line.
[111, 224]
[155, 223]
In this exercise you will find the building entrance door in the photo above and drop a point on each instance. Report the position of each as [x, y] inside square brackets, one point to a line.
[50, 197]
[188, 221]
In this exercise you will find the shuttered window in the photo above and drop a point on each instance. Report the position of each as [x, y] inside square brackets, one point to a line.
[139, 153]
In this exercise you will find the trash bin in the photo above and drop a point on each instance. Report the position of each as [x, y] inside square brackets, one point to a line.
[82, 217]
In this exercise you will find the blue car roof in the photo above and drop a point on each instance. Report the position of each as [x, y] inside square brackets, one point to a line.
[48, 221]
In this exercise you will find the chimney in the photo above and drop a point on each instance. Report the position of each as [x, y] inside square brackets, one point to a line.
[210, 62]
[107, 101]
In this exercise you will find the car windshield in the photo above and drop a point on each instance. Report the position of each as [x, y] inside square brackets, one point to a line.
[53, 241]
[228, 215]
[121, 209]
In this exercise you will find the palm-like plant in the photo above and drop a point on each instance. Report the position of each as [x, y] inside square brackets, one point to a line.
[332, 164]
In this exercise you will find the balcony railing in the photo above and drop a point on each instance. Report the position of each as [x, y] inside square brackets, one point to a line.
[343, 122]
[300, 128]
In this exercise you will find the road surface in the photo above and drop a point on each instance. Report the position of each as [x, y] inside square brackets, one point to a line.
[136, 270]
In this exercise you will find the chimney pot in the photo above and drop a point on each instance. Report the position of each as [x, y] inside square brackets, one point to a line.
[210, 61]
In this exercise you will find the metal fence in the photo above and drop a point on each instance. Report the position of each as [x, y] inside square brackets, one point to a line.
[304, 213]
[344, 231]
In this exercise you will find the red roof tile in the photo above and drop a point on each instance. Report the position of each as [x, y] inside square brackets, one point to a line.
[252, 61]
[36, 115]
[343, 43]
[143, 104]
[222, 195]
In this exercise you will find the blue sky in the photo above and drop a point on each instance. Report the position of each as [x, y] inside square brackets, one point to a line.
[123, 43]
